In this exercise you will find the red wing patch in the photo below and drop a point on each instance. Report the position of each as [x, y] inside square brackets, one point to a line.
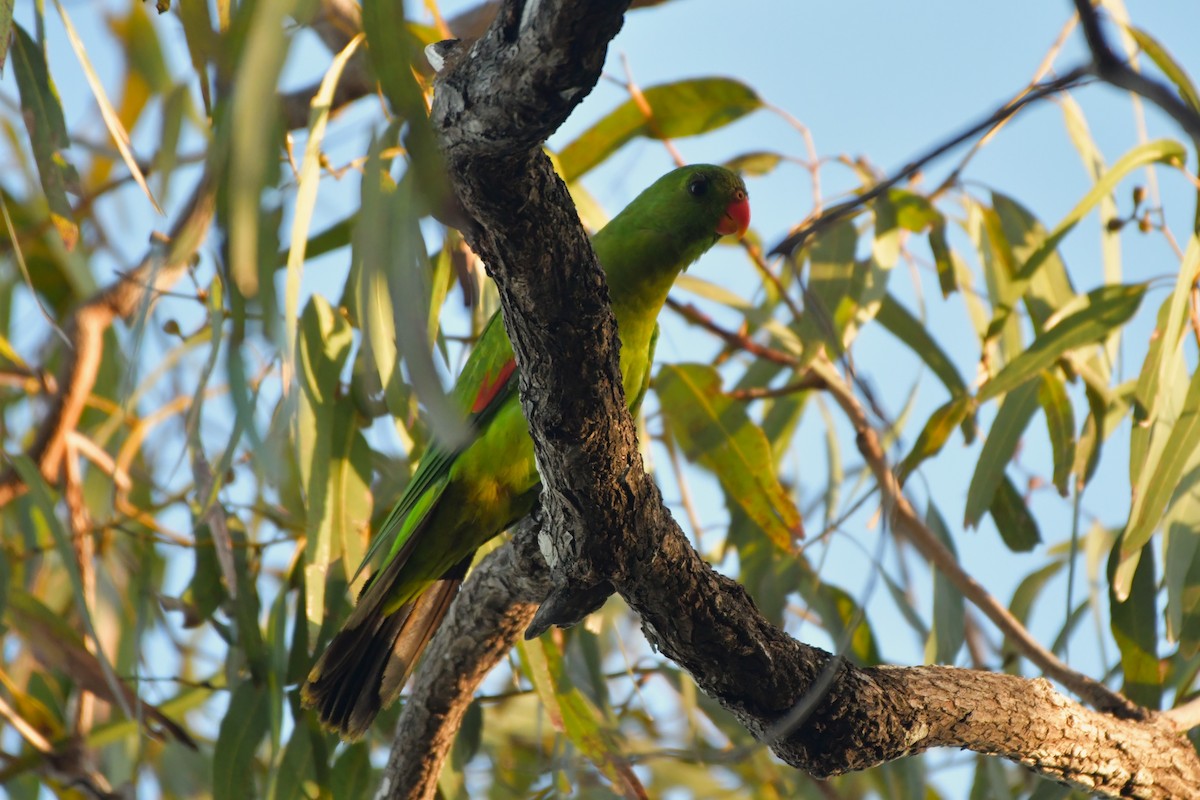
[492, 386]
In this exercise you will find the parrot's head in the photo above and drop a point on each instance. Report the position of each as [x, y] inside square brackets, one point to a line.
[674, 222]
[706, 200]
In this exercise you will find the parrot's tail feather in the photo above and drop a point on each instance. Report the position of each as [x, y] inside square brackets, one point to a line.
[418, 629]
[367, 663]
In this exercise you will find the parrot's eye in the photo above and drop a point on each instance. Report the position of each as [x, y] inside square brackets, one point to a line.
[698, 186]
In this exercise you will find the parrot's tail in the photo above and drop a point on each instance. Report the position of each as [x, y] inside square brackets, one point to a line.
[370, 659]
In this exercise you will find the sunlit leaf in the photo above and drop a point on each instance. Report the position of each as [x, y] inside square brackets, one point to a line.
[307, 183]
[1170, 67]
[574, 715]
[1103, 310]
[685, 108]
[1049, 288]
[323, 347]
[1156, 484]
[758, 163]
[935, 434]
[714, 431]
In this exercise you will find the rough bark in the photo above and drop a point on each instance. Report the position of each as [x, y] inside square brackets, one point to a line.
[490, 612]
[604, 520]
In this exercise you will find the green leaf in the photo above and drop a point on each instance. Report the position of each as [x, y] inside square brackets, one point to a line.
[1156, 484]
[1049, 288]
[1018, 529]
[947, 281]
[1103, 310]
[1159, 151]
[350, 777]
[897, 320]
[307, 183]
[949, 613]
[247, 138]
[715, 432]
[324, 345]
[685, 108]
[998, 449]
[1134, 623]
[1181, 567]
[576, 716]
[243, 727]
[830, 299]
[1166, 339]
[1060, 422]
[48, 137]
[934, 435]
[757, 163]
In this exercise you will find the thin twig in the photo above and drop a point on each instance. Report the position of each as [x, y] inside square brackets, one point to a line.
[845, 209]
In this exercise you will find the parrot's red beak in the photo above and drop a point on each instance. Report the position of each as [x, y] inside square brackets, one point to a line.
[736, 219]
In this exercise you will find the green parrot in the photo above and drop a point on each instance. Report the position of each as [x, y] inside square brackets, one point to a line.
[458, 499]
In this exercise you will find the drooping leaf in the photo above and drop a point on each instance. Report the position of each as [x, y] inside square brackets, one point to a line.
[1181, 567]
[242, 729]
[908, 329]
[757, 163]
[1049, 288]
[830, 299]
[1060, 422]
[935, 434]
[715, 431]
[322, 349]
[573, 714]
[1170, 67]
[949, 628]
[1134, 623]
[307, 183]
[1102, 310]
[1017, 526]
[1156, 484]
[676, 110]
[48, 136]
[1160, 151]
[998, 449]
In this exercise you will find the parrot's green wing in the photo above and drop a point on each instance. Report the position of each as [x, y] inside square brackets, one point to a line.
[485, 383]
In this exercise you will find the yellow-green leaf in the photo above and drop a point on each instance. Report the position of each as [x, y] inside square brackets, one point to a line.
[1156, 484]
[1006, 431]
[685, 108]
[1060, 422]
[571, 712]
[1102, 310]
[715, 432]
